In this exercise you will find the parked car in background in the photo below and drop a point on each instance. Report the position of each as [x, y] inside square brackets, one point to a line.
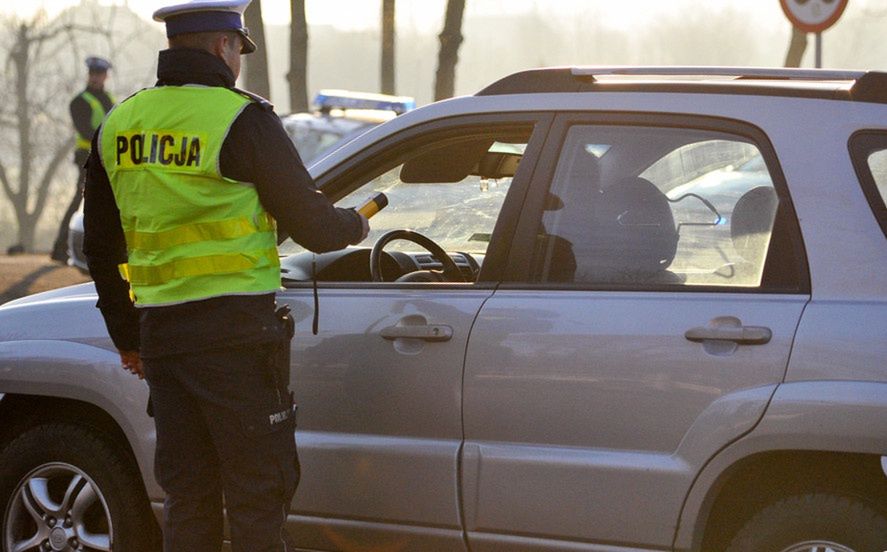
[75, 241]
[606, 309]
[340, 116]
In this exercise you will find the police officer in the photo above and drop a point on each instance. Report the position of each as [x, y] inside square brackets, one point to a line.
[88, 108]
[185, 185]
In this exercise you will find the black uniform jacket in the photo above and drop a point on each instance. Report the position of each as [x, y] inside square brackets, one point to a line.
[81, 115]
[256, 150]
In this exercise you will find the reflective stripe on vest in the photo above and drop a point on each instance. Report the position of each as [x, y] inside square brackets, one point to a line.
[198, 232]
[97, 116]
[198, 266]
[190, 233]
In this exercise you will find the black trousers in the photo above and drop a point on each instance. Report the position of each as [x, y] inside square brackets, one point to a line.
[60, 247]
[225, 430]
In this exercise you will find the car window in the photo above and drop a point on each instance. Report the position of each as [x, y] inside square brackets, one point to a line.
[869, 151]
[451, 193]
[310, 144]
[878, 165]
[459, 216]
[651, 207]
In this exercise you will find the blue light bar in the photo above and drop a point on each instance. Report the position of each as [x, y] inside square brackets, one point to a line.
[325, 100]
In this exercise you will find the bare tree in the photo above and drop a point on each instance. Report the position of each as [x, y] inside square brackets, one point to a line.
[38, 83]
[256, 76]
[796, 48]
[41, 68]
[298, 73]
[450, 40]
[388, 39]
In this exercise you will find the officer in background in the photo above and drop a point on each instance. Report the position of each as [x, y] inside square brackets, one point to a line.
[185, 185]
[88, 108]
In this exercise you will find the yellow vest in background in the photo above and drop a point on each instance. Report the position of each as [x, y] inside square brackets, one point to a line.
[191, 233]
[98, 114]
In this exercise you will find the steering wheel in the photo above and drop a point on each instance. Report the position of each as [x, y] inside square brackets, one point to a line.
[450, 272]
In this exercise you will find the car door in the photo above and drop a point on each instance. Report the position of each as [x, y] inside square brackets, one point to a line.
[644, 324]
[380, 405]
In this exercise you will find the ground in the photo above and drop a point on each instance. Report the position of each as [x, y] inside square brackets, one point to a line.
[22, 275]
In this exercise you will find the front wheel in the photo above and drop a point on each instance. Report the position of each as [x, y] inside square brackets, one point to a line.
[814, 523]
[67, 488]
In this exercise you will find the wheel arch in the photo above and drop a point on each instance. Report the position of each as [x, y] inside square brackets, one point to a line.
[20, 412]
[87, 379]
[755, 481]
[814, 436]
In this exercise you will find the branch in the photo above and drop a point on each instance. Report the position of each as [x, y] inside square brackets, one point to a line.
[43, 190]
[7, 187]
[49, 35]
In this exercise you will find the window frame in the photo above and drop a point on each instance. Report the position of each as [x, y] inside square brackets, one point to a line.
[861, 145]
[339, 181]
[780, 276]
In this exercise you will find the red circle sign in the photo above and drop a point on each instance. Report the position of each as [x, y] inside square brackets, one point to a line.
[813, 16]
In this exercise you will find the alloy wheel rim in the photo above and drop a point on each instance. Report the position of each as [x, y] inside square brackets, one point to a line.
[818, 546]
[57, 507]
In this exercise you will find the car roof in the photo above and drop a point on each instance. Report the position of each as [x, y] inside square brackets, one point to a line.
[747, 94]
[814, 83]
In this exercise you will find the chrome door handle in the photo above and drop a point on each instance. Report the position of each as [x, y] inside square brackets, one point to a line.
[431, 332]
[745, 335]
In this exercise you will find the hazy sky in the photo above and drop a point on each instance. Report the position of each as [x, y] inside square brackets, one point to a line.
[428, 14]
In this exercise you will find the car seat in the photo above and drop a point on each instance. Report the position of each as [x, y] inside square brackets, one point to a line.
[633, 238]
[750, 228]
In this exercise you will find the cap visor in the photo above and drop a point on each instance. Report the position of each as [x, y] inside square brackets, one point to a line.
[248, 45]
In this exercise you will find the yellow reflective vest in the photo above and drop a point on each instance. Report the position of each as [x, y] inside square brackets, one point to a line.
[190, 232]
[98, 113]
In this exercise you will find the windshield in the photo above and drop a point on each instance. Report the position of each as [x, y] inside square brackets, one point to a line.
[458, 216]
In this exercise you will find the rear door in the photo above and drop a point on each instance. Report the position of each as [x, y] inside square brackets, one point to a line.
[380, 408]
[646, 321]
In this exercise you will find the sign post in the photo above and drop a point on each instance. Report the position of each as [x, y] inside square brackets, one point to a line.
[814, 16]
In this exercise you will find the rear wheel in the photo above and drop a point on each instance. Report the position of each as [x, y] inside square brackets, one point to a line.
[814, 523]
[67, 488]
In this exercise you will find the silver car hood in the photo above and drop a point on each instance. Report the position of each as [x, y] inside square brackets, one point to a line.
[70, 292]
[67, 314]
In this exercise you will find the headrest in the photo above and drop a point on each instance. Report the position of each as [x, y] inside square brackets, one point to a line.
[752, 221]
[633, 228]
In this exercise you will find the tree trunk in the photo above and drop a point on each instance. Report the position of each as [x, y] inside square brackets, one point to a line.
[388, 39]
[796, 48]
[298, 73]
[27, 228]
[256, 67]
[20, 54]
[450, 40]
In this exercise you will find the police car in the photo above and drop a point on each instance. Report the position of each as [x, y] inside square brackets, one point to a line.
[340, 116]
[76, 258]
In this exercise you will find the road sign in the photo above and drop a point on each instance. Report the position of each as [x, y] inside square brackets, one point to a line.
[813, 16]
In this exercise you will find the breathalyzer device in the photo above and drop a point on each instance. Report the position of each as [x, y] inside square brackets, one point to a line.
[373, 205]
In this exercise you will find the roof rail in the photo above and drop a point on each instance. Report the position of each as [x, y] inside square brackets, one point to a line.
[867, 86]
[714, 71]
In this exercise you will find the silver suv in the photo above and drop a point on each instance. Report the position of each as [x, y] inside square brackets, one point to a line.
[606, 310]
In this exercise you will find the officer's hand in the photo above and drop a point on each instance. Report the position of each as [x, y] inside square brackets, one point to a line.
[364, 229]
[132, 362]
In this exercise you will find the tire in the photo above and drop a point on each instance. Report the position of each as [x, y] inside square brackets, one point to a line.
[70, 488]
[814, 523]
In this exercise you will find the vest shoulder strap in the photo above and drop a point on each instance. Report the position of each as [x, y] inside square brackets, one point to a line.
[263, 103]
